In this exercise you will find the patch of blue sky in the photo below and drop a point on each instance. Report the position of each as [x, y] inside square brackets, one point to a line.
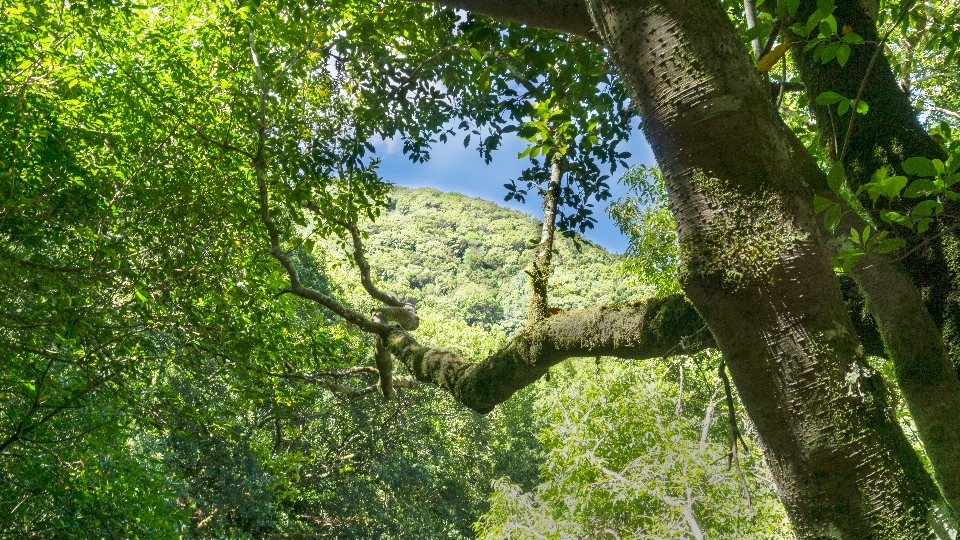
[454, 168]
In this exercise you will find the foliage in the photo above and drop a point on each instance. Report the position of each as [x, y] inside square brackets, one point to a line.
[643, 216]
[144, 347]
[636, 451]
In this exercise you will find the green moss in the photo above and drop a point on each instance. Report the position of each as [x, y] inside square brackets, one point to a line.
[743, 243]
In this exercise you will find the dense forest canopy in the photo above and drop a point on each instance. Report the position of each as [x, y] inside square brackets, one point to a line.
[202, 269]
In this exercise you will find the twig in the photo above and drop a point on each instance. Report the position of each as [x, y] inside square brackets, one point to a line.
[733, 457]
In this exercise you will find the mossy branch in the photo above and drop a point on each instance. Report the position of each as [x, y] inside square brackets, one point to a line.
[641, 329]
[539, 271]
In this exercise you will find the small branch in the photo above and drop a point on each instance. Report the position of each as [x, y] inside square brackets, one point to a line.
[362, 263]
[750, 11]
[772, 38]
[733, 457]
[947, 112]
[539, 271]
[385, 369]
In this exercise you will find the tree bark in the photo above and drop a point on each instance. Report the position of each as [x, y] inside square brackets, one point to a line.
[909, 322]
[637, 330]
[755, 267]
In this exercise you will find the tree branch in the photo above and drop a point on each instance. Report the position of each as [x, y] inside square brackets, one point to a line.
[539, 271]
[641, 329]
[260, 167]
[560, 15]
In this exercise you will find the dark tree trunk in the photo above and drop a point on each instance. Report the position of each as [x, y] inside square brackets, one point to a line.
[888, 134]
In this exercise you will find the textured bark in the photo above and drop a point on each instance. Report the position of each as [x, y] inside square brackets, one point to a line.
[755, 267]
[637, 330]
[885, 136]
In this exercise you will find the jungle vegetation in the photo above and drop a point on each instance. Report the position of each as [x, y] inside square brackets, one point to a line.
[206, 281]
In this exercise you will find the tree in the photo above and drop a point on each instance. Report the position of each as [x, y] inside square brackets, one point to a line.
[278, 137]
[771, 300]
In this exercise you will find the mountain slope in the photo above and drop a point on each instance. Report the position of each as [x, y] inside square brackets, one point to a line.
[465, 257]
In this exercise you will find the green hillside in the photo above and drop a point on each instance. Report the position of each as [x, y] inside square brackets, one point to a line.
[465, 258]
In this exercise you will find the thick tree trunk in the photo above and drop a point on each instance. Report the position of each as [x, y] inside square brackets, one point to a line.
[755, 267]
[885, 136]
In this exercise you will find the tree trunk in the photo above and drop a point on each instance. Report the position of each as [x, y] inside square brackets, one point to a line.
[755, 267]
[888, 134]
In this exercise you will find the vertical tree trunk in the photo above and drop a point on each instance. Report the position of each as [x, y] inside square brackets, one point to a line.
[925, 363]
[754, 266]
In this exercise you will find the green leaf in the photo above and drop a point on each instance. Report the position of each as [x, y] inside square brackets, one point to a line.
[831, 21]
[939, 166]
[475, 54]
[527, 132]
[919, 188]
[835, 177]
[853, 38]
[843, 107]
[851, 261]
[843, 54]
[484, 82]
[821, 203]
[757, 31]
[919, 166]
[927, 208]
[888, 245]
[832, 218]
[829, 98]
[792, 6]
[862, 107]
[892, 186]
[829, 52]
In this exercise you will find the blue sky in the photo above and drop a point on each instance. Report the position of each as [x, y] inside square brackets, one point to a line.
[455, 168]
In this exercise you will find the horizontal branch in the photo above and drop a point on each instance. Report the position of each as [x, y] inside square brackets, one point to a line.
[642, 329]
[569, 16]
[651, 328]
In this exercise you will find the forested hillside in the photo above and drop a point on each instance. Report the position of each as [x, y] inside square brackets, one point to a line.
[465, 257]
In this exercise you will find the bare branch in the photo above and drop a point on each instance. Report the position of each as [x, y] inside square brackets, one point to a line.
[750, 10]
[947, 112]
[736, 438]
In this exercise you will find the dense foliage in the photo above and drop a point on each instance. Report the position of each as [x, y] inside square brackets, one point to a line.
[156, 382]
